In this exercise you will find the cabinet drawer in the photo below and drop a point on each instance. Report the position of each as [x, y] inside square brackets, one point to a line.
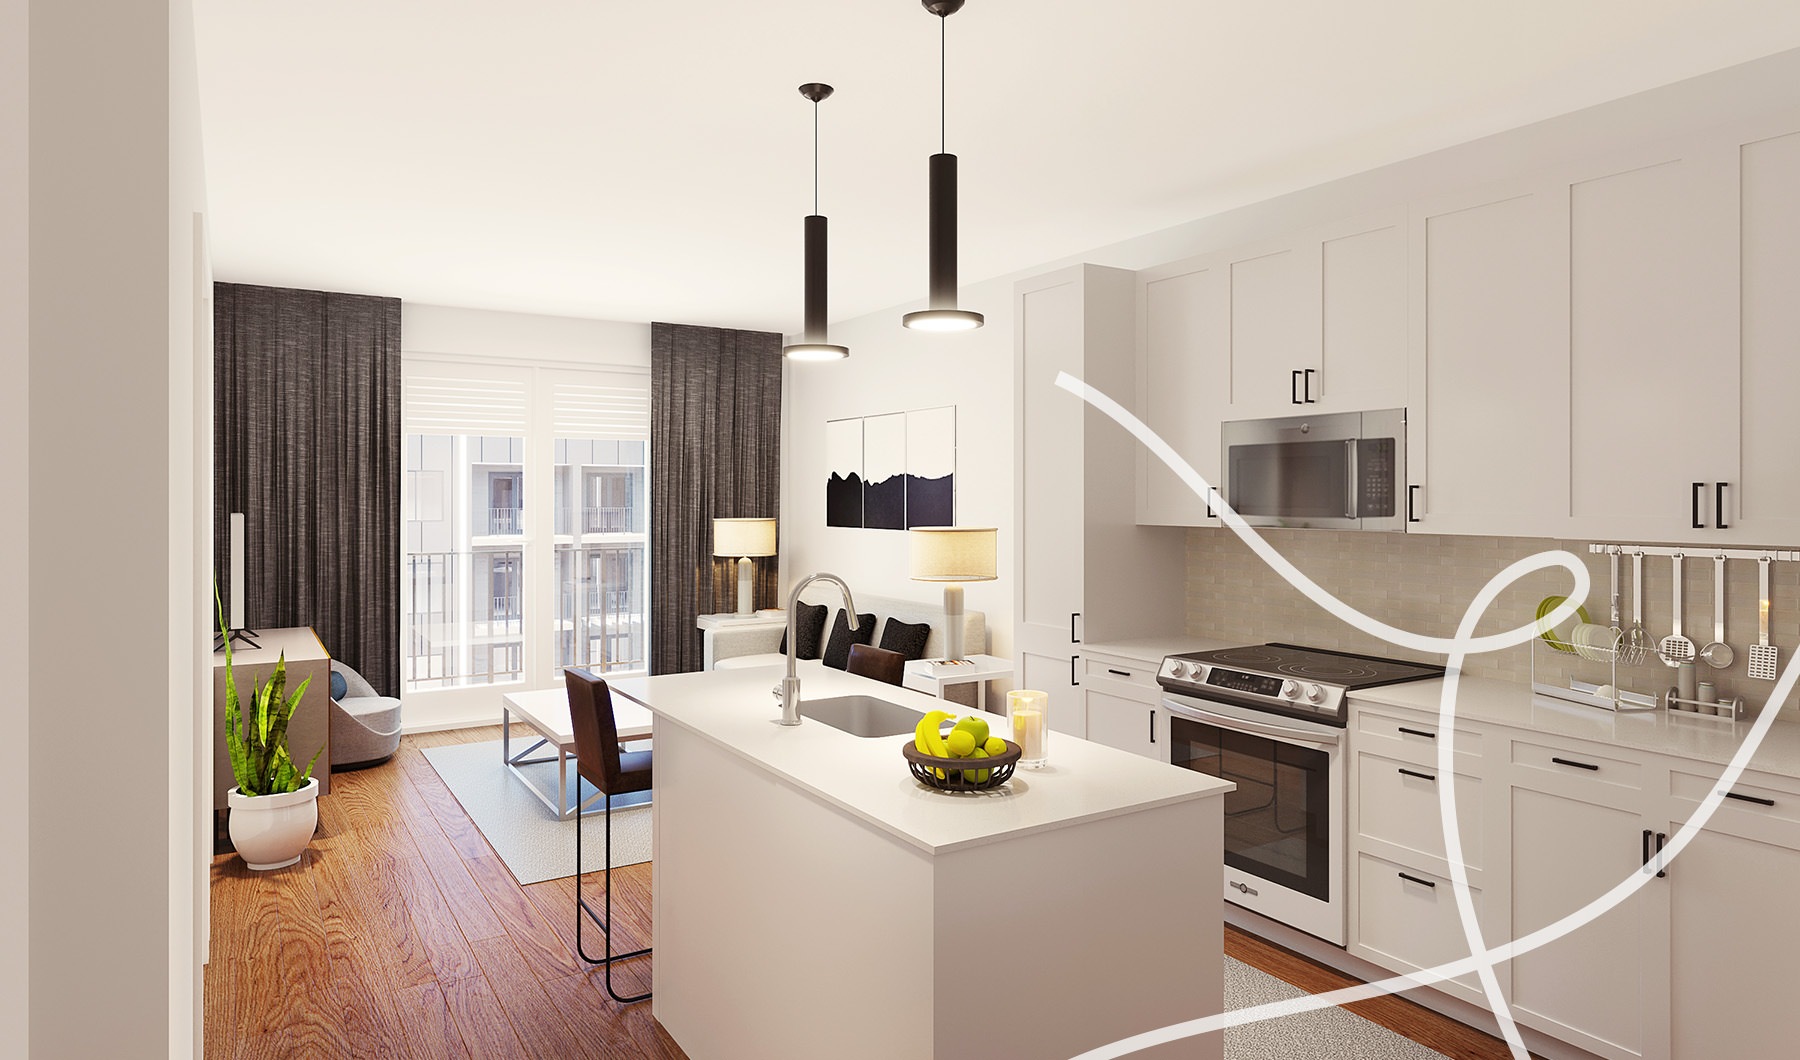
[1407, 924]
[1750, 801]
[1139, 677]
[1397, 803]
[1577, 764]
[1414, 740]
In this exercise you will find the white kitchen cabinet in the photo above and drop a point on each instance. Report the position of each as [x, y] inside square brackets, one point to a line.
[1122, 698]
[1082, 563]
[1362, 315]
[1183, 383]
[1405, 919]
[1488, 417]
[1653, 337]
[1274, 300]
[1768, 504]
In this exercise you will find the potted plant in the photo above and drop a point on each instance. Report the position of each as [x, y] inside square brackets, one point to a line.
[274, 807]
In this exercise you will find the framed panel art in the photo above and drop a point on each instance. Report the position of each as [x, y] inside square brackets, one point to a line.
[892, 472]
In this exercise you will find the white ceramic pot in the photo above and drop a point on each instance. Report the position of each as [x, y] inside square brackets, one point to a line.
[272, 831]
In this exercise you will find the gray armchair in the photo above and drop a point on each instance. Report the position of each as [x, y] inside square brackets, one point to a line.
[365, 726]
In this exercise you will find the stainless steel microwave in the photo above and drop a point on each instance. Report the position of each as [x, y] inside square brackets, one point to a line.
[1338, 471]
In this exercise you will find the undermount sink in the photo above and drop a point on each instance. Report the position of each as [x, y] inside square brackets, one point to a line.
[862, 715]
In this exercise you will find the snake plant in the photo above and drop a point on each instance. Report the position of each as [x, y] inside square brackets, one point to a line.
[259, 752]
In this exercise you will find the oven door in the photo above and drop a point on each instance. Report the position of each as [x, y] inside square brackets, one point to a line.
[1284, 825]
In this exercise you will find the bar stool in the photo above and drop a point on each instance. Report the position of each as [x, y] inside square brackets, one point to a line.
[878, 663]
[599, 761]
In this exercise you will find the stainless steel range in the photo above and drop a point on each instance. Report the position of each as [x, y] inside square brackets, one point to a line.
[1270, 718]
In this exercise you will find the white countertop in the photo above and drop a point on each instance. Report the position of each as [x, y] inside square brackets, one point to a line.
[868, 778]
[1152, 650]
[1680, 735]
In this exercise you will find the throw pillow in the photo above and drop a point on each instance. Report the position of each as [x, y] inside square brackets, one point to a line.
[837, 652]
[338, 686]
[809, 630]
[907, 638]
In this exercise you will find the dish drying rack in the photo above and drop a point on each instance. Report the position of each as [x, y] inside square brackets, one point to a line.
[1606, 693]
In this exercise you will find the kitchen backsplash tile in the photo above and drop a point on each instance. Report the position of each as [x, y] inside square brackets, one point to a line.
[1424, 583]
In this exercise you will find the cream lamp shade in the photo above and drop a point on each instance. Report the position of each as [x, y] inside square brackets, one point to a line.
[744, 538]
[953, 555]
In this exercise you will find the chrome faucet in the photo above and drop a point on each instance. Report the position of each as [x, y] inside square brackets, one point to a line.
[790, 685]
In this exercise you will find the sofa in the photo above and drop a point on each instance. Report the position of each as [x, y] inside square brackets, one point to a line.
[365, 725]
[758, 644]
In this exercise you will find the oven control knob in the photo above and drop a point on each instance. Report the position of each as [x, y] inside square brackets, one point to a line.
[1178, 669]
[1290, 690]
[1315, 694]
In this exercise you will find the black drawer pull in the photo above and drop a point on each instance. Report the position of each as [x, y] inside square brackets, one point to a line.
[1072, 679]
[1153, 727]
[1414, 879]
[1749, 798]
[1661, 837]
[1073, 639]
[1418, 732]
[1647, 835]
[1421, 776]
[1577, 765]
[1121, 673]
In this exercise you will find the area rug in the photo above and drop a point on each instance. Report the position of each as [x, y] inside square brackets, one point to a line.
[522, 830]
[1326, 1032]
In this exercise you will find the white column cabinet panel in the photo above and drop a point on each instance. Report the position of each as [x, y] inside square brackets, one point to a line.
[1362, 317]
[1653, 340]
[1768, 504]
[1274, 328]
[1183, 382]
[1488, 419]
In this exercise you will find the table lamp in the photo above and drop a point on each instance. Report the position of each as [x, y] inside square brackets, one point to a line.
[953, 555]
[744, 538]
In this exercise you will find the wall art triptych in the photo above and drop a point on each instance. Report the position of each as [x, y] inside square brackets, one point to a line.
[892, 472]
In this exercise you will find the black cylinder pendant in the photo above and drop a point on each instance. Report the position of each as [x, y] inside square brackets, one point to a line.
[815, 278]
[943, 231]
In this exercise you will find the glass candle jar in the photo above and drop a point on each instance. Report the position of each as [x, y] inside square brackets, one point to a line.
[1028, 711]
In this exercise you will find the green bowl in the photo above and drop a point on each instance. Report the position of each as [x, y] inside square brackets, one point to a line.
[1548, 632]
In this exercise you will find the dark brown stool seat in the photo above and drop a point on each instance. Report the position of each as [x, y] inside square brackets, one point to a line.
[878, 663]
[612, 772]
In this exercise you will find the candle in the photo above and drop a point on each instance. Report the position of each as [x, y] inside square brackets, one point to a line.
[1029, 711]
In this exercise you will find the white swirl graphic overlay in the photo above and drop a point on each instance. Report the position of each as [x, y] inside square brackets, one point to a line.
[1482, 958]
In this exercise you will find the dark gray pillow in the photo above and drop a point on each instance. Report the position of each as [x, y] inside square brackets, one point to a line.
[907, 638]
[809, 630]
[837, 652]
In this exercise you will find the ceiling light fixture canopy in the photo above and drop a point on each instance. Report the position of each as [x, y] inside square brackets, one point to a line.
[813, 346]
[942, 314]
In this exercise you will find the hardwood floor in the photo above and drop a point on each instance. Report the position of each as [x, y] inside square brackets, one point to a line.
[402, 934]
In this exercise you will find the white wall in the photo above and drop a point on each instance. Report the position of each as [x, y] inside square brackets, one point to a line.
[891, 369]
[15, 480]
[115, 170]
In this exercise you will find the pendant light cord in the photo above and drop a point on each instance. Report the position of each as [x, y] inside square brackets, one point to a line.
[815, 156]
[943, 83]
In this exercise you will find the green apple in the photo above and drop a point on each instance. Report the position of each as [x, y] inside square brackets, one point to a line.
[975, 726]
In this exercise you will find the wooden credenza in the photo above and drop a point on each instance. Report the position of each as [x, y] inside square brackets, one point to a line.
[310, 727]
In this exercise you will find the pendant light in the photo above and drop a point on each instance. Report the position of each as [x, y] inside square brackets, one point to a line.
[942, 314]
[812, 345]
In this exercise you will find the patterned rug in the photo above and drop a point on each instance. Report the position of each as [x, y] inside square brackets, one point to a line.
[1328, 1033]
[523, 831]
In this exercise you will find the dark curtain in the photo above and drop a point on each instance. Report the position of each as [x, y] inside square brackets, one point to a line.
[715, 452]
[307, 445]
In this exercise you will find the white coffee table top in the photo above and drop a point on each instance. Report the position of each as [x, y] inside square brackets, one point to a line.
[547, 711]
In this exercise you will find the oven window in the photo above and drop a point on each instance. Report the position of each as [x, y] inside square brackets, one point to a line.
[1291, 480]
[1277, 821]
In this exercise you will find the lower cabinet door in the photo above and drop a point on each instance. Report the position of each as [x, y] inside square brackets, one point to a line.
[1406, 920]
[1595, 987]
[1124, 723]
[1734, 956]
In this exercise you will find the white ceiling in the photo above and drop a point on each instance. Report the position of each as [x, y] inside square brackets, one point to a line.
[652, 160]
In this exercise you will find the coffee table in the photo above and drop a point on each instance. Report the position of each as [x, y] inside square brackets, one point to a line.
[547, 712]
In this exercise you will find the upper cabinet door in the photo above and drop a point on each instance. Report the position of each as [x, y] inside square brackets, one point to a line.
[1768, 505]
[1274, 293]
[1362, 317]
[1183, 383]
[1653, 344]
[1488, 423]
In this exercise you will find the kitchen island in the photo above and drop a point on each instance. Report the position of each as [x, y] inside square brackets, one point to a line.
[813, 900]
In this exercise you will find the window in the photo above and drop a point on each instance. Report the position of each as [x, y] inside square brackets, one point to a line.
[484, 599]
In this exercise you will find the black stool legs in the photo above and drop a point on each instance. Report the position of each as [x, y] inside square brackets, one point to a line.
[604, 923]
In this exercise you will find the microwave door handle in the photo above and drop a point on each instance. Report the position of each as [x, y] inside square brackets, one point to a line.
[1350, 479]
[1277, 732]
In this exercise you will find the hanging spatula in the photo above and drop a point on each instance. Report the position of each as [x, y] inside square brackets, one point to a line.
[1675, 648]
[1765, 658]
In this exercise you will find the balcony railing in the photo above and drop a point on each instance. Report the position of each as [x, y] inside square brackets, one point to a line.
[504, 521]
[448, 645]
[606, 520]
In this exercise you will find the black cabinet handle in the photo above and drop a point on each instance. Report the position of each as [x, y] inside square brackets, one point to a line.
[1660, 838]
[1577, 765]
[1306, 387]
[1421, 776]
[1699, 487]
[1749, 798]
[1121, 673]
[1418, 732]
[1073, 615]
[1210, 494]
[1153, 727]
[1414, 879]
[1412, 496]
[1719, 506]
[1294, 389]
[1646, 858]
[1072, 680]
